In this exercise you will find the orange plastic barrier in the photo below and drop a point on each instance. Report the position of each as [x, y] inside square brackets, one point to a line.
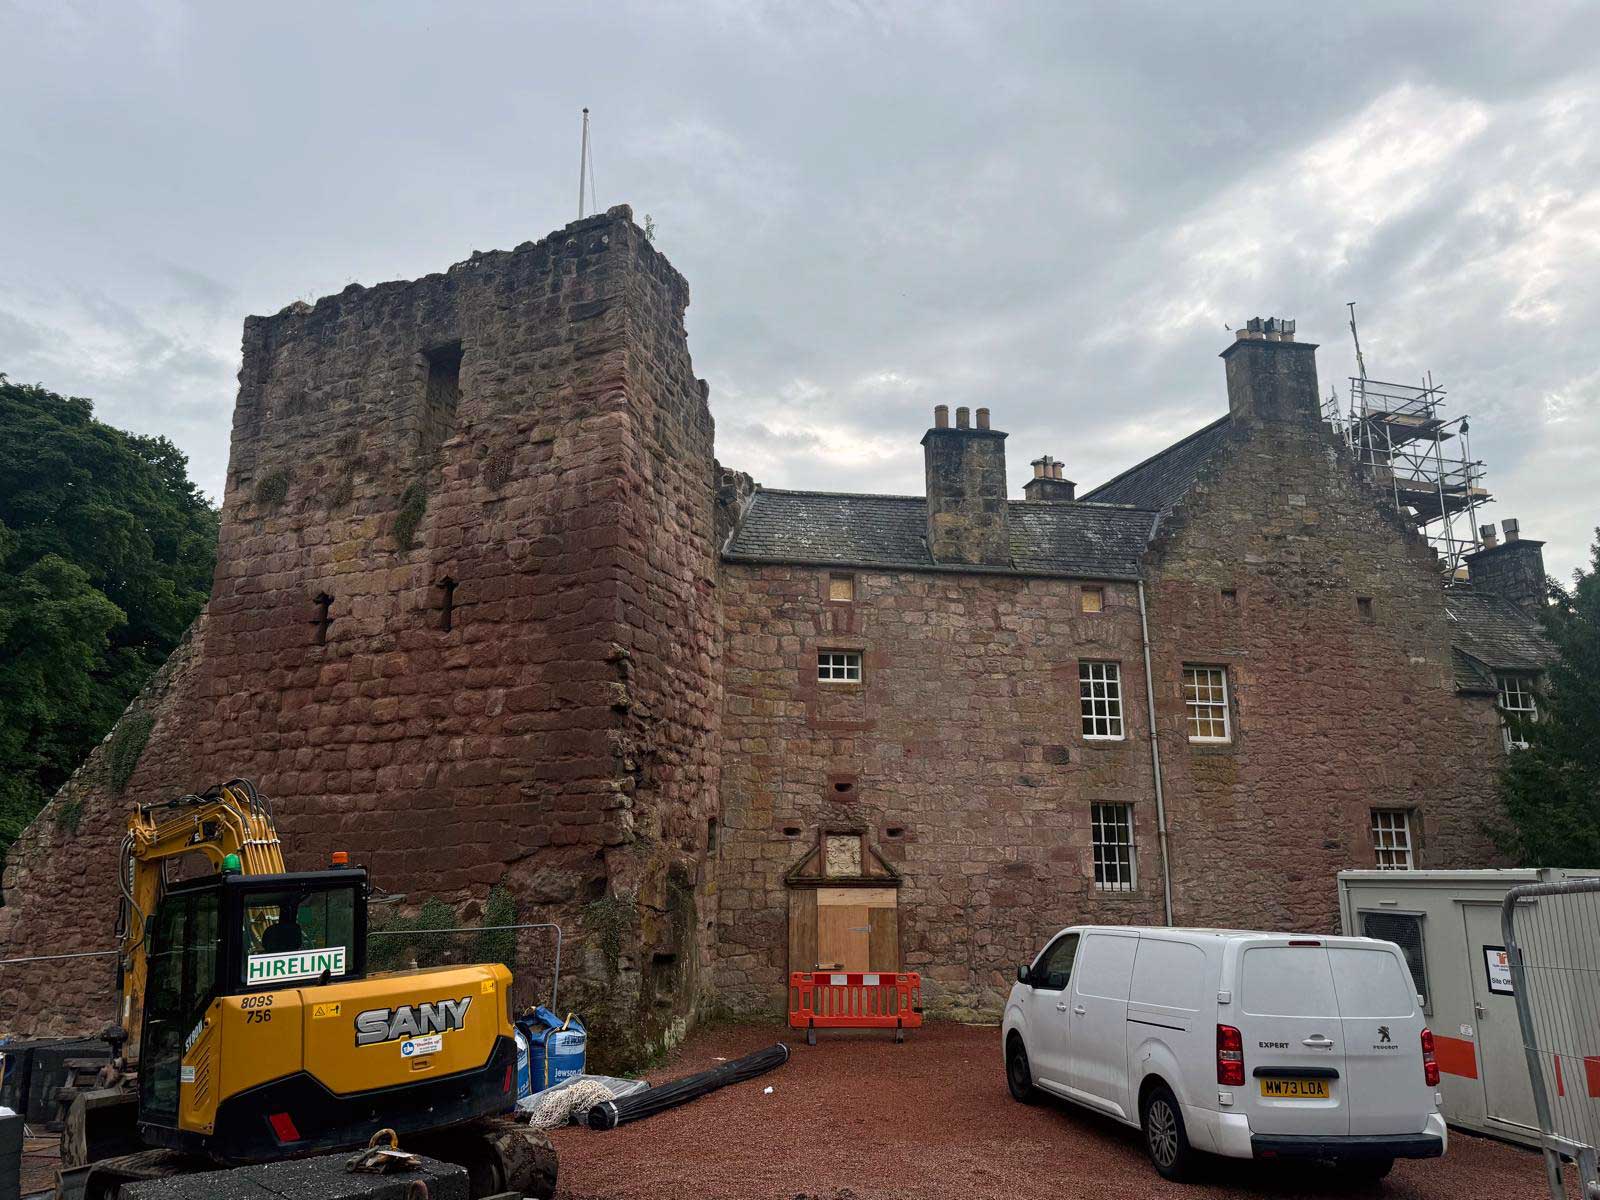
[855, 1000]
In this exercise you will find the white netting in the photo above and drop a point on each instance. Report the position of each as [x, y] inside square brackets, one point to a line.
[554, 1108]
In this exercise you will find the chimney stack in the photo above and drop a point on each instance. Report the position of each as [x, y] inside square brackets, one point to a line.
[1512, 570]
[1271, 377]
[968, 518]
[1048, 483]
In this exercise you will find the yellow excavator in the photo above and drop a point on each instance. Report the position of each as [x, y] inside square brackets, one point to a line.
[250, 1029]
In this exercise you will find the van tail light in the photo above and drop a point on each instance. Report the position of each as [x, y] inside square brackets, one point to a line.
[1430, 1063]
[1230, 1056]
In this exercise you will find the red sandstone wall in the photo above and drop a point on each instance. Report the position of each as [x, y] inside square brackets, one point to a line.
[1335, 714]
[560, 737]
[965, 734]
[970, 704]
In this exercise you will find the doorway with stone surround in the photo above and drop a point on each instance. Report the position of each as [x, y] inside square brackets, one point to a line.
[844, 912]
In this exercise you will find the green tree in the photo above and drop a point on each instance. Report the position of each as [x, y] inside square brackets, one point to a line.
[1552, 789]
[106, 556]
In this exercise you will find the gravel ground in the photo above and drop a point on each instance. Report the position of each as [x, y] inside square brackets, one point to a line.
[859, 1118]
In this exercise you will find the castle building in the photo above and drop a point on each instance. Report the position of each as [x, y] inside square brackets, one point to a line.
[487, 612]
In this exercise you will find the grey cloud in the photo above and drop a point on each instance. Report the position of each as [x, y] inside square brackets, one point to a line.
[1049, 209]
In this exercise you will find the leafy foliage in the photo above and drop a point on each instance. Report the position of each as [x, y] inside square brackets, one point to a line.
[609, 920]
[413, 504]
[498, 945]
[127, 744]
[1552, 789]
[273, 489]
[404, 940]
[106, 556]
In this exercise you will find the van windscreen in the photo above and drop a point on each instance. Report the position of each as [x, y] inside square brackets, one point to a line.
[1287, 981]
[1370, 983]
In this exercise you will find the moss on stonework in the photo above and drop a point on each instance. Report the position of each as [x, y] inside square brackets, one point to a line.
[342, 492]
[497, 470]
[498, 945]
[403, 940]
[413, 504]
[69, 815]
[609, 920]
[273, 489]
[127, 744]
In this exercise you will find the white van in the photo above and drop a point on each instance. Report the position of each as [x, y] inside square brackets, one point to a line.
[1248, 1045]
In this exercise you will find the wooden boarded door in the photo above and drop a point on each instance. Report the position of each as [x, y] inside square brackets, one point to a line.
[857, 929]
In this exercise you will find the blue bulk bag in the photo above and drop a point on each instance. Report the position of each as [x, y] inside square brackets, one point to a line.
[556, 1047]
[524, 1079]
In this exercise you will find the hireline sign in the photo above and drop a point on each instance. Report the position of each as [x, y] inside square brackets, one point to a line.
[294, 965]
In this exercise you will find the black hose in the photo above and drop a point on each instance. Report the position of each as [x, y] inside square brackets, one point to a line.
[647, 1103]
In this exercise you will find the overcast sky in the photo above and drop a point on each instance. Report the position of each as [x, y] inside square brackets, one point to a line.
[1052, 210]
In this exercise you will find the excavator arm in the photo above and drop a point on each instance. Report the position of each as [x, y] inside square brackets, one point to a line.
[228, 820]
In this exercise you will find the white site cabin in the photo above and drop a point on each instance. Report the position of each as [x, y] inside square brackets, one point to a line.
[1447, 923]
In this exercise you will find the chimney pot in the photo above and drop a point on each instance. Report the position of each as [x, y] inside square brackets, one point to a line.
[1271, 377]
[1512, 569]
[983, 418]
[941, 416]
[1488, 535]
[968, 517]
[1048, 482]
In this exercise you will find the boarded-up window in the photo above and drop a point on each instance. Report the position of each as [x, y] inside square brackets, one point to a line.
[841, 587]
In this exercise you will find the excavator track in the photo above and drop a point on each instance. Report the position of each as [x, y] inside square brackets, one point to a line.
[499, 1154]
[103, 1179]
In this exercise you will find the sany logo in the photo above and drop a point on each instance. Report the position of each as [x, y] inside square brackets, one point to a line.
[1383, 1034]
[409, 1020]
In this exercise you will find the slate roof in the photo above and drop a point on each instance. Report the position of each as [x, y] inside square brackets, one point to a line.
[1491, 635]
[1096, 541]
[1160, 481]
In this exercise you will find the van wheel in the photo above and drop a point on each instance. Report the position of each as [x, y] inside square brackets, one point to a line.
[1164, 1136]
[1019, 1075]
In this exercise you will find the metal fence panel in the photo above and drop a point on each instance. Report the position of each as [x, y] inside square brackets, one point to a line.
[1552, 935]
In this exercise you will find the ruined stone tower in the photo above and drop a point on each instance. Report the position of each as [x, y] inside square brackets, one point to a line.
[462, 625]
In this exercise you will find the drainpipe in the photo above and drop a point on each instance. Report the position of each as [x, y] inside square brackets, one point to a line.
[1155, 758]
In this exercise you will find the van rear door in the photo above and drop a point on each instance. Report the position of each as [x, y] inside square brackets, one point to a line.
[1288, 1014]
[1385, 1087]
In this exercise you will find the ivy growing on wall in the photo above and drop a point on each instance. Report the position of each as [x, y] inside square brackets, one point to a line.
[413, 504]
[608, 921]
[127, 744]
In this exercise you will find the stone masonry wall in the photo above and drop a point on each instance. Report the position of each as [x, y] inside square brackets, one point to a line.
[559, 735]
[964, 749]
[973, 779]
[1336, 711]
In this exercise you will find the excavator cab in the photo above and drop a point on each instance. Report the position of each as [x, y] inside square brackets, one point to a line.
[234, 935]
[250, 1031]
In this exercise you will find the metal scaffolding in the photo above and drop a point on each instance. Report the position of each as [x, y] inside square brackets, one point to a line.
[1400, 435]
